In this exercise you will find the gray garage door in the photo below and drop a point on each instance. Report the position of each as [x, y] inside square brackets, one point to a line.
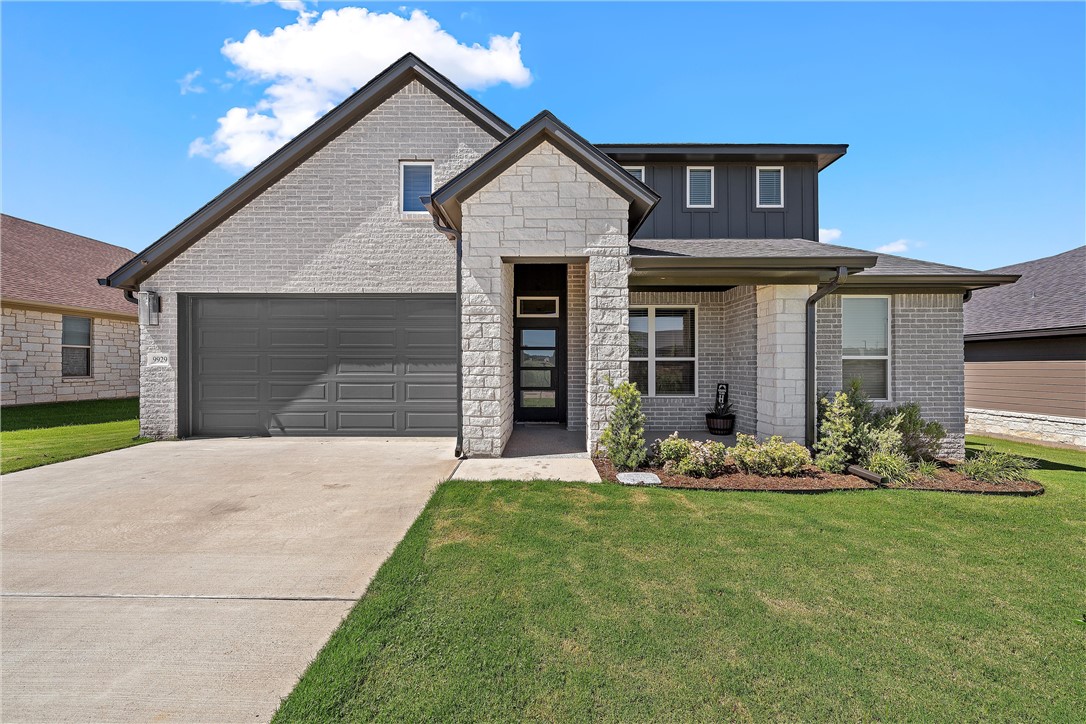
[300, 365]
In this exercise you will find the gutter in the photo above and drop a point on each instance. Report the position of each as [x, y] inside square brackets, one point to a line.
[454, 235]
[811, 396]
[128, 295]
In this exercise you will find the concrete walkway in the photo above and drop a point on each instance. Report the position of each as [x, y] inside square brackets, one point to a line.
[194, 581]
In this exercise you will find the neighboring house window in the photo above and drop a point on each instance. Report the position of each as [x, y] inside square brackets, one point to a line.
[699, 187]
[663, 350]
[75, 347]
[865, 344]
[416, 180]
[638, 172]
[770, 181]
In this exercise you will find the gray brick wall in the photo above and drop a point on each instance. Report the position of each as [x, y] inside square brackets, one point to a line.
[30, 352]
[577, 345]
[741, 355]
[332, 225]
[927, 357]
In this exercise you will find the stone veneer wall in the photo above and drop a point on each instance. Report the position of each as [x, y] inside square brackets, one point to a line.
[927, 357]
[782, 344]
[30, 355]
[1027, 426]
[576, 346]
[543, 205]
[331, 225]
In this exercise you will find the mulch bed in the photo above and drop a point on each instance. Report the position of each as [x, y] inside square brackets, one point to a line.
[950, 481]
[811, 480]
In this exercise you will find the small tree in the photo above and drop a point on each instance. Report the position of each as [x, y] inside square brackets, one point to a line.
[624, 436]
[835, 434]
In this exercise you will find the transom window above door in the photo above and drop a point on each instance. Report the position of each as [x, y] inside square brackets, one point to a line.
[537, 306]
[663, 350]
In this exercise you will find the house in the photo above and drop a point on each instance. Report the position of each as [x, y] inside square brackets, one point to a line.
[413, 265]
[1025, 352]
[64, 336]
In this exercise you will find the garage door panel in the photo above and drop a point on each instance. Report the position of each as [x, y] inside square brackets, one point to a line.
[282, 365]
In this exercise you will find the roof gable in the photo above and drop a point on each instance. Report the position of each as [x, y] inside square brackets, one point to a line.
[294, 152]
[545, 127]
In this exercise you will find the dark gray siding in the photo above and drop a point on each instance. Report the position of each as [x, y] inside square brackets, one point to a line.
[734, 215]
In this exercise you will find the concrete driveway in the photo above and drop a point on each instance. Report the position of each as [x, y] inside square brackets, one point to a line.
[194, 580]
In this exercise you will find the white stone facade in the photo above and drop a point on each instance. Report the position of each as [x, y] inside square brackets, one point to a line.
[31, 350]
[544, 206]
[1028, 426]
[782, 345]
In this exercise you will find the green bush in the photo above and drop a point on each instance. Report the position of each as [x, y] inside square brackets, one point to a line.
[992, 466]
[835, 436]
[705, 460]
[671, 449]
[624, 436]
[895, 467]
[771, 457]
[926, 470]
[920, 438]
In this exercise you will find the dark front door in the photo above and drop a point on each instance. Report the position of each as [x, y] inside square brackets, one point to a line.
[538, 371]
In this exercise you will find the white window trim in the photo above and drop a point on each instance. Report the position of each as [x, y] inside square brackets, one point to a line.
[652, 359]
[557, 308]
[758, 187]
[424, 212]
[637, 168]
[889, 342]
[88, 347]
[712, 187]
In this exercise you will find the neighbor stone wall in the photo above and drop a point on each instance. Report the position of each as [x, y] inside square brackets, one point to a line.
[576, 346]
[927, 358]
[31, 359]
[782, 344]
[543, 205]
[1027, 426]
[331, 225]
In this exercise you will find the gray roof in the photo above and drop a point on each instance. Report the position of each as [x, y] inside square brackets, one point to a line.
[741, 248]
[1048, 296]
[821, 153]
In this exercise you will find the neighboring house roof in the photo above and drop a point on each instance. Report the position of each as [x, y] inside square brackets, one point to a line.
[330, 125]
[1047, 300]
[822, 154]
[46, 266]
[544, 127]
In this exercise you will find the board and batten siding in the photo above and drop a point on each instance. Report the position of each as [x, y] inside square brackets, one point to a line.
[1039, 376]
[734, 214]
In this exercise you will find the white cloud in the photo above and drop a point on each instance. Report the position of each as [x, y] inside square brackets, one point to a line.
[315, 62]
[896, 247]
[828, 236]
[188, 83]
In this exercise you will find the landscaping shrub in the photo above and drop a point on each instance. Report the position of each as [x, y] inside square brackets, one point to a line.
[624, 436]
[671, 449]
[836, 432]
[705, 460]
[926, 470]
[895, 467]
[920, 438]
[771, 457]
[991, 466]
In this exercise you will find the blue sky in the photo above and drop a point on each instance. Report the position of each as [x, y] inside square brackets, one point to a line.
[967, 122]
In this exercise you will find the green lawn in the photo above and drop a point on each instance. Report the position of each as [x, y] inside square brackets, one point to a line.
[33, 435]
[552, 601]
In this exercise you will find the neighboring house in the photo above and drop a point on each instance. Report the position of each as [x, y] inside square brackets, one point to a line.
[413, 265]
[1025, 352]
[65, 337]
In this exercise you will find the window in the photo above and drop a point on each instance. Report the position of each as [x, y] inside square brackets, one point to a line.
[865, 344]
[663, 350]
[75, 347]
[699, 187]
[537, 306]
[770, 182]
[416, 179]
[638, 172]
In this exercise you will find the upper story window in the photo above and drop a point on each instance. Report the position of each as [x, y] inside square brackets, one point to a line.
[699, 187]
[770, 182]
[638, 172]
[75, 346]
[865, 344]
[663, 350]
[416, 180]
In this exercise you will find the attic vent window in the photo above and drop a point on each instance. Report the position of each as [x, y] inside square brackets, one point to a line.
[699, 187]
[416, 180]
[770, 187]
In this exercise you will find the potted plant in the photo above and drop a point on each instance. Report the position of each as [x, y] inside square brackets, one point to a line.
[721, 419]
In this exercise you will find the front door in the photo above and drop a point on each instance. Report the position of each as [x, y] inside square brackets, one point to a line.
[537, 372]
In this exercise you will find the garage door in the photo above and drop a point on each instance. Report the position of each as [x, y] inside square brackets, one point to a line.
[300, 365]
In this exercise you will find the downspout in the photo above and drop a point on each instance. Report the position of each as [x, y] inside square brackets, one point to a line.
[811, 396]
[454, 235]
[130, 296]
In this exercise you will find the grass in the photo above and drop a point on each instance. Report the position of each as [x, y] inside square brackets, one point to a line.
[552, 601]
[33, 435]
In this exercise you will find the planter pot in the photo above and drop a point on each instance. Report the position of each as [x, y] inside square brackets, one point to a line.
[719, 424]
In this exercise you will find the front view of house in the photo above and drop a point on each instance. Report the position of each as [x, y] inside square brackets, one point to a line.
[412, 265]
